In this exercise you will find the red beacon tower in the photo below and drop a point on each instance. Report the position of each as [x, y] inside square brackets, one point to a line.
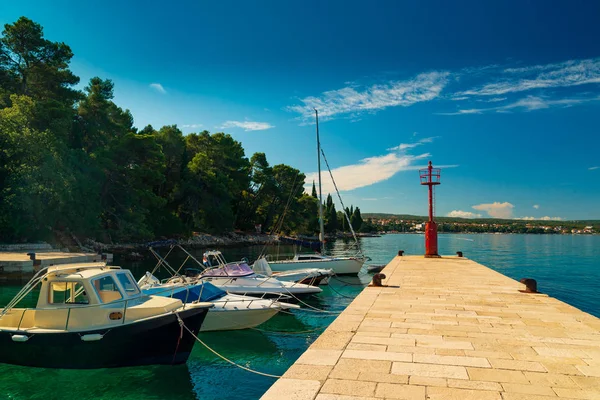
[430, 176]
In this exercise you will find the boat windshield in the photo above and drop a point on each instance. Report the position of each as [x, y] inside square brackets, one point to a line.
[211, 292]
[241, 269]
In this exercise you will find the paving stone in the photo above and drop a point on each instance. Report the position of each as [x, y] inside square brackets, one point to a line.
[411, 349]
[349, 387]
[357, 366]
[431, 370]
[404, 392]
[452, 360]
[427, 381]
[551, 379]
[292, 389]
[342, 397]
[309, 372]
[450, 352]
[377, 355]
[524, 396]
[437, 393]
[528, 389]
[589, 370]
[578, 393]
[475, 385]
[382, 377]
[364, 346]
[586, 382]
[496, 375]
[320, 357]
[332, 340]
[517, 365]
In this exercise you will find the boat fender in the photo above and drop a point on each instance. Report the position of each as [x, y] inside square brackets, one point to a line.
[92, 337]
[19, 338]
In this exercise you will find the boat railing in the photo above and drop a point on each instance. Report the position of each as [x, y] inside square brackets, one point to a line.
[61, 318]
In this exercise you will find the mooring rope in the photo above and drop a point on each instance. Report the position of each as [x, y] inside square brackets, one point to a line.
[343, 295]
[223, 357]
[314, 309]
[350, 283]
[290, 332]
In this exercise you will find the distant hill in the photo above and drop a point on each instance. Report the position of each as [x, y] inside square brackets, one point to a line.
[419, 218]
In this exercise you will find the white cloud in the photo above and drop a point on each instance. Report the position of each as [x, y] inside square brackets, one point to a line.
[564, 74]
[247, 125]
[463, 214]
[536, 206]
[496, 209]
[406, 146]
[551, 218]
[546, 218]
[494, 99]
[529, 103]
[193, 126]
[351, 99]
[367, 171]
[371, 170]
[593, 168]
[158, 87]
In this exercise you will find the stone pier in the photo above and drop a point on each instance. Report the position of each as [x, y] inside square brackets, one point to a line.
[449, 328]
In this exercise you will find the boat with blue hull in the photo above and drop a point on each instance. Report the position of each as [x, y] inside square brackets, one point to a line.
[95, 316]
[229, 311]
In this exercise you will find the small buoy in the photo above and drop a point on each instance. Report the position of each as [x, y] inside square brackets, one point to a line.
[20, 338]
[92, 337]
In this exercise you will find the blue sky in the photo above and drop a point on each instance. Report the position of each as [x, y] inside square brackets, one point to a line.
[505, 96]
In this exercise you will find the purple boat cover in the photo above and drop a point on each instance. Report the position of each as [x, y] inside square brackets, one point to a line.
[241, 269]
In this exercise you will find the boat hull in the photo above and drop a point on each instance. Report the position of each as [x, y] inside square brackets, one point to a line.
[158, 340]
[341, 266]
[261, 287]
[226, 320]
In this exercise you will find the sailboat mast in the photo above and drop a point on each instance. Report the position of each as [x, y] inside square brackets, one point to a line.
[321, 227]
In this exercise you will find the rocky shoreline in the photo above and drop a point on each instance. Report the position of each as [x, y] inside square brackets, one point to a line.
[198, 241]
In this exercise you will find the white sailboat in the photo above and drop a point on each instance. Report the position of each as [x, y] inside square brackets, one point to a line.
[339, 265]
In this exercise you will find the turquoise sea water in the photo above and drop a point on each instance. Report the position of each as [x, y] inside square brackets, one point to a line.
[566, 267]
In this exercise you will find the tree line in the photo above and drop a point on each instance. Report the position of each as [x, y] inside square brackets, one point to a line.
[73, 161]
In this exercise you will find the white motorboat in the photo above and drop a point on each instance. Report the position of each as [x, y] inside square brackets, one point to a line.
[339, 265]
[309, 276]
[239, 278]
[90, 315]
[230, 311]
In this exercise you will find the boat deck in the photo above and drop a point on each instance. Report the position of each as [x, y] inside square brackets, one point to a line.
[13, 262]
[449, 328]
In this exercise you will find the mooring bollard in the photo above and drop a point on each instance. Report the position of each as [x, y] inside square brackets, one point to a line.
[400, 253]
[530, 285]
[377, 279]
[459, 253]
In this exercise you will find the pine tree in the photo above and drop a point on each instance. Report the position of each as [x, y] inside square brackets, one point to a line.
[356, 219]
[314, 191]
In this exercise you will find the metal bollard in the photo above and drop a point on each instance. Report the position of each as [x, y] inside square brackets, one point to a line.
[400, 253]
[377, 279]
[459, 253]
[530, 285]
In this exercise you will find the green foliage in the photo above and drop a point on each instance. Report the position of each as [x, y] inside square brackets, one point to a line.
[74, 162]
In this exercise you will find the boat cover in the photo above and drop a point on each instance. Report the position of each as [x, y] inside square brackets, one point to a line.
[237, 270]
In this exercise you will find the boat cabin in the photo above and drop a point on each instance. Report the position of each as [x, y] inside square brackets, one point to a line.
[216, 266]
[82, 296]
